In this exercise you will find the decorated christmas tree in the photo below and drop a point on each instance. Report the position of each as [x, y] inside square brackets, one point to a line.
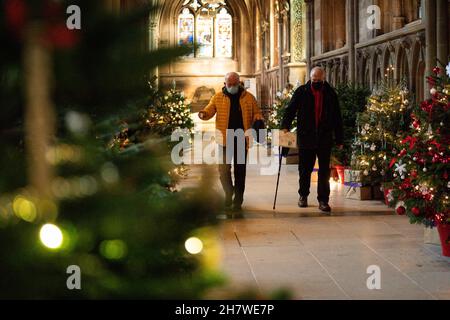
[163, 113]
[378, 129]
[69, 203]
[421, 185]
[276, 114]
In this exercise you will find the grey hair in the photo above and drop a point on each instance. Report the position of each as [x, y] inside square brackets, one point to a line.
[313, 70]
[234, 74]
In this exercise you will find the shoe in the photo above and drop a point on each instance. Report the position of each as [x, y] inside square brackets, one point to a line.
[303, 202]
[228, 202]
[324, 207]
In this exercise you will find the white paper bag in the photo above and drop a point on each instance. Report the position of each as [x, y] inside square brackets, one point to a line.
[288, 139]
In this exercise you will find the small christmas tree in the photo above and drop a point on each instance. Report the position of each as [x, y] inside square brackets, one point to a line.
[377, 130]
[421, 185]
[278, 109]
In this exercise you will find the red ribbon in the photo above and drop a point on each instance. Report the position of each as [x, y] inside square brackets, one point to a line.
[393, 161]
[412, 141]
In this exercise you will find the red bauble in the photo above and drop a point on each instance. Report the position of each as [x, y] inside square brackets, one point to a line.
[402, 153]
[401, 210]
[16, 15]
[436, 70]
[414, 174]
[415, 211]
[416, 124]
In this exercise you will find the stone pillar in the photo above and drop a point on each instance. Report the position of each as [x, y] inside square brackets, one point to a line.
[431, 39]
[339, 27]
[282, 9]
[309, 36]
[350, 14]
[398, 20]
[297, 31]
[442, 31]
[328, 69]
[280, 51]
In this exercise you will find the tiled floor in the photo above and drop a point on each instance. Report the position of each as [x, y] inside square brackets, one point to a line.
[326, 257]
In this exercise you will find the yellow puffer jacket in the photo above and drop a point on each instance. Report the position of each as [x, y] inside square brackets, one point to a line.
[220, 105]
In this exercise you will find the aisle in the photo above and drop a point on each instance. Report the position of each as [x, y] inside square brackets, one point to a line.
[324, 257]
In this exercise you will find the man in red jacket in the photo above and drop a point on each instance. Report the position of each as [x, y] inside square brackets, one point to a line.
[316, 107]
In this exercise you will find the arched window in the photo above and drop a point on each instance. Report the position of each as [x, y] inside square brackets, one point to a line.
[208, 25]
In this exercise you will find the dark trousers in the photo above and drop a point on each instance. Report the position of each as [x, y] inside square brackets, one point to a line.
[240, 170]
[307, 159]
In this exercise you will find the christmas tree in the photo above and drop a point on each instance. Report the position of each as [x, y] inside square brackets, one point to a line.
[70, 202]
[378, 128]
[352, 100]
[421, 185]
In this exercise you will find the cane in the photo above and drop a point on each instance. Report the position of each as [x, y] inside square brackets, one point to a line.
[278, 178]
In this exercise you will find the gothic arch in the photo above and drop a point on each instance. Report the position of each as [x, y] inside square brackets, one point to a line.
[417, 82]
[241, 21]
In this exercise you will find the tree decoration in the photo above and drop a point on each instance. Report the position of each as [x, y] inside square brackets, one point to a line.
[378, 129]
[425, 156]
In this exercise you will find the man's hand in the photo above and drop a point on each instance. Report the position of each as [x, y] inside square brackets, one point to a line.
[340, 146]
[202, 115]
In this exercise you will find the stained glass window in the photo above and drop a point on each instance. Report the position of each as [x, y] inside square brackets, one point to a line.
[208, 25]
[205, 34]
[224, 34]
[186, 28]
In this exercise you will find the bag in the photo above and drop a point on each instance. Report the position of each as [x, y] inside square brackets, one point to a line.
[260, 137]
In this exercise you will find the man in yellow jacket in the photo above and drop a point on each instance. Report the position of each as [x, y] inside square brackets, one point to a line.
[235, 108]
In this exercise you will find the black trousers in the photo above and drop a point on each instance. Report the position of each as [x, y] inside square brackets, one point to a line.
[240, 171]
[307, 159]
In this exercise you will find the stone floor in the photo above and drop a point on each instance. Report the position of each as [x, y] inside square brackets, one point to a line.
[325, 257]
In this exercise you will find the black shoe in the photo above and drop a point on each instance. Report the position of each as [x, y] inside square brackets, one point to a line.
[324, 207]
[228, 201]
[303, 202]
[237, 207]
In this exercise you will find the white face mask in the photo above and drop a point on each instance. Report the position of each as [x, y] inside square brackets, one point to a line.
[233, 90]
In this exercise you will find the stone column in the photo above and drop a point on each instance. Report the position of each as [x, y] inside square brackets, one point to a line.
[297, 31]
[442, 31]
[340, 24]
[350, 14]
[282, 9]
[398, 20]
[431, 39]
[280, 51]
[309, 35]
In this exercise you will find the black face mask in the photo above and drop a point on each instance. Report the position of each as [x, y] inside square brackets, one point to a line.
[317, 85]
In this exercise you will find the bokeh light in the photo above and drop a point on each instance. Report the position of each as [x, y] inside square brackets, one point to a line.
[51, 236]
[24, 208]
[113, 249]
[193, 245]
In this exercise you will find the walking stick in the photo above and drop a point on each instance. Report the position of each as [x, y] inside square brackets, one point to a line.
[278, 178]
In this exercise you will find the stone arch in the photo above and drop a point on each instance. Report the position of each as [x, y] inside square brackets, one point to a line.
[193, 73]
[387, 54]
[417, 73]
[376, 68]
[402, 66]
